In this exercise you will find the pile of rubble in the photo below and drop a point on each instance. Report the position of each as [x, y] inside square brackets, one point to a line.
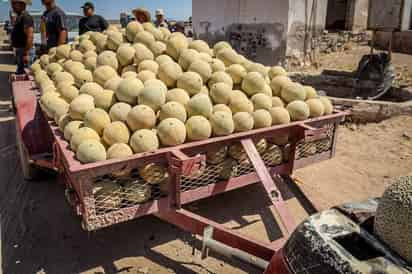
[339, 41]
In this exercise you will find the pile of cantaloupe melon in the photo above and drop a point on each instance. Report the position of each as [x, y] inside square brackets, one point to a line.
[134, 90]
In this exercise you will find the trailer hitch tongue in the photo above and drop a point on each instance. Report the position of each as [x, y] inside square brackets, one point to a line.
[209, 243]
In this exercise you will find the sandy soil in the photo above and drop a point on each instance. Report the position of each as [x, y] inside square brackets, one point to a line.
[40, 234]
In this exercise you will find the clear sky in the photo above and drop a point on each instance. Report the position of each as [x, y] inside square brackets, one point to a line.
[180, 9]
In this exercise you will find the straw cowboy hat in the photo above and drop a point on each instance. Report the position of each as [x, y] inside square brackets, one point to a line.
[143, 11]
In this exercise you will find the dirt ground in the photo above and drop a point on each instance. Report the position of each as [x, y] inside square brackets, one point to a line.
[41, 234]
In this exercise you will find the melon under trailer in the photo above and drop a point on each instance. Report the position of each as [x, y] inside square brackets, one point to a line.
[192, 178]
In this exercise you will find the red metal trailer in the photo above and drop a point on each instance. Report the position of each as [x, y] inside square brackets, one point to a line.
[190, 176]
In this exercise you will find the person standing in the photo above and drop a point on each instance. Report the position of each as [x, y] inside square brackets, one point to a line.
[91, 21]
[22, 34]
[56, 25]
[160, 19]
[142, 15]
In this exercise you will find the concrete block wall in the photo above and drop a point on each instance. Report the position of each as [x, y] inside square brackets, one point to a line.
[265, 31]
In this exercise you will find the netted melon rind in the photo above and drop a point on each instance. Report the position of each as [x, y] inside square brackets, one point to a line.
[298, 110]
[119, 112]
[198, 128]
[91, 151]
[261, 118]
[144, 140]
[222, 123]
[97, 119]
[116, 132]
[200, 104]
[173, 110]
[119, 151]
[82, 134]
[243, 121]
[141, 117]
[171, 132]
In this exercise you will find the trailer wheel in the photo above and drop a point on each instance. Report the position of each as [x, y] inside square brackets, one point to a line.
[30, 172]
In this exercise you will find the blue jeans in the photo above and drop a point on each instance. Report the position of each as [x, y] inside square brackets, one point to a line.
[20, 62]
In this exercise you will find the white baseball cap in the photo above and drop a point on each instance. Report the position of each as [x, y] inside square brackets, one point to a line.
[160, 12]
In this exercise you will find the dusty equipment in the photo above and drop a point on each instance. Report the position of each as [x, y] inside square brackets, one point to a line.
[110, 192]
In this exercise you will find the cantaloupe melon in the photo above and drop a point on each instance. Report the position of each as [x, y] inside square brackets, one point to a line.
[220, 93]
[70, 128]
[253, 83]
[113, 83]
[394, 216]
[280, 116]
[116, 132]
[191, 82]
[298, 110]
[91, 151]
[125, 54]
[327, 104]
[221, 107]
[316, 107]
[132, 29]
[69, 93]
[169, 73]
[262, 118]
[277, 102]
[220, 45]
[90, 88]
[163, 59]
[178, 95]
[153, 95]
[76, 55]
[97, 119]
[86, 45]
[200, 104]
[44, 60]
[102, 74]
[132, 68]
[63, 76]
[63, 52]
[243, 121]
[200, 46]
[261, 101]
[173, 110]
[129, 74]
[215, 157]
[277, 71]
[277, 84]
[217, 65]
[119, 151]
[88, 54]
[166, 33]
[148, 65]
[220, 77]
[64, 121]
[205, 57]
[153, 173]
[292, 92]
[114, 40]
[141, 117]
[82, 76]
[119, 112]
[144, 140]
[158, 48]
[175, 45]
[187, 57]
[198, 128]
[56, 107]
[222, 123]
[310, 92]
[129, 90]
[80, 106]
[146, 75]
[82, 134]
[72, 66]
[144, 37]
[237, 72]
[171, 132]
[155, 83]
[228, 56]
[202, 68]
[259, 68]
[90, 63]
[142, 53]
[240, 103]
[53, 68]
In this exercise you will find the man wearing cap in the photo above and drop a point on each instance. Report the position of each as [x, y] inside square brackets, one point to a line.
[91, 21]
[55, 24]
[22, 34]
[160, 19]
[142, 15]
